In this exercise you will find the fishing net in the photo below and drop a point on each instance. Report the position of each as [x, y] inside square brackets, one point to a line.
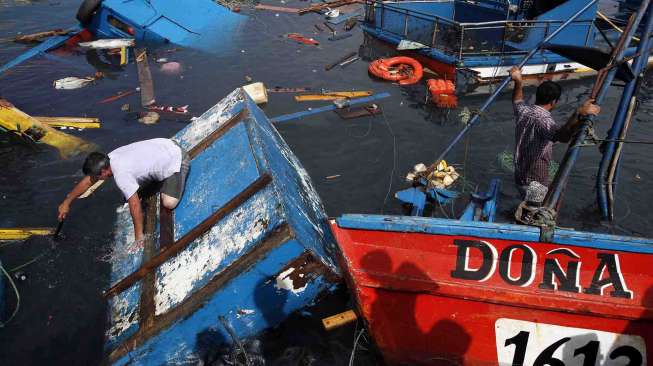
[507, 163]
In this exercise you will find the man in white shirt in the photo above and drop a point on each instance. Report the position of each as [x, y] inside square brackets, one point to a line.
[134, 165]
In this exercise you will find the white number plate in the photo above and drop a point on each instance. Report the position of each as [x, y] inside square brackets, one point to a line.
[521, 343]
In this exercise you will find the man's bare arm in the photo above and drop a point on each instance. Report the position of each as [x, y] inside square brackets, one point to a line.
[80, 188]
[137, 216]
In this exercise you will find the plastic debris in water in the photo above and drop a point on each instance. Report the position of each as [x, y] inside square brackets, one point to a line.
[149, 118]
[465, 115]
[75, 82]
[442, 176]
[171, 68]
[108, 43]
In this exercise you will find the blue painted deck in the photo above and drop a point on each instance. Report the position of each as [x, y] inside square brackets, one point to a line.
[483, 33]
[261, 293]
[41, 48]
[200, 24]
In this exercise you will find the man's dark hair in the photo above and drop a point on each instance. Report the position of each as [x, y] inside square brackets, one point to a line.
[94, 163]
[547, 92]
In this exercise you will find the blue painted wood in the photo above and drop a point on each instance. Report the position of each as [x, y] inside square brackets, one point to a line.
[200, 24]
[486, 202]
[493, 231]
[260, 296]
[42, 47]
[331, 107]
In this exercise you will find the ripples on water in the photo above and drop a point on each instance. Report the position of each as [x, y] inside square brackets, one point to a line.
[63, 311]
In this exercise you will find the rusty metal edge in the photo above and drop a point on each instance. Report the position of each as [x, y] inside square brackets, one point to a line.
[275, 238]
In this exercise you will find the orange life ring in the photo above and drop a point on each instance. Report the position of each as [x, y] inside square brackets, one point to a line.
[405, 70]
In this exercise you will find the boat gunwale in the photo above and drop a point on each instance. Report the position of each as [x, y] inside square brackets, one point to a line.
[436, 226]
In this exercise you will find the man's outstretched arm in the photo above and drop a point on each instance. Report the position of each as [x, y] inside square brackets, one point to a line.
[80, 188]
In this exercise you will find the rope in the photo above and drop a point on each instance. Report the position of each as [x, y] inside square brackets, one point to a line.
[614, 26]
[394, 159]
[353, 351]
[11, 281]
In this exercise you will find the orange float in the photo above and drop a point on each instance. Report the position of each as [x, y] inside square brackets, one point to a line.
[403, 69]
[442, 93]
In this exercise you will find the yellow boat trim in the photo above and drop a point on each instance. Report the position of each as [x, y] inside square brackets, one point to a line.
[14, 120]
[76, 122]
[23, 233]
[333, 95]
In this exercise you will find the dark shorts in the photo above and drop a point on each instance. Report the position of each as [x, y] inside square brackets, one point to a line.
[174, 185]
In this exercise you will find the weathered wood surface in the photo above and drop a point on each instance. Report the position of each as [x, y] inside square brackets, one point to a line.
[145, 78]
[76, 122]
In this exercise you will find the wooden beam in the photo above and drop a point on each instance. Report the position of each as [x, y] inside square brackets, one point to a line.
[166, 227]
[339, 320]
[187, 239]
[208, 140]
[24, 233]
[275, 238]
[76, 122]
[145, 77]
[147, 307]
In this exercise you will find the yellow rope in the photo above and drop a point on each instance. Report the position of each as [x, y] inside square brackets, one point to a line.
[607, 20]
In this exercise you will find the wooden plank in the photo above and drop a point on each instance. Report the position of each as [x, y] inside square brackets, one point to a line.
[76, 122]
[23, 233]
[144, 77]
[45, 46]
[280, 9]
[92, 189]
[331, 5]
[339, 320]
[166, 227]
[333, 95]
[331, 107]
[195, 301]
[187, 239]
[208, 140]
[146, 307]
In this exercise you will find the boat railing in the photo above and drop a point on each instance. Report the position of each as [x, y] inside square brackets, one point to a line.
[459, 40]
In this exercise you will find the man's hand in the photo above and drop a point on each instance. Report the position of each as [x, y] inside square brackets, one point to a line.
[515, 74]
[589, 108]
[64, 208]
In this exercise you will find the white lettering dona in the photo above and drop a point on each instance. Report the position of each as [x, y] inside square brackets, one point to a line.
[554, 277]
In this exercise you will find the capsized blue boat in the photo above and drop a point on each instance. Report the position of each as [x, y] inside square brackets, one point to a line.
[199, 24]
[249, 244]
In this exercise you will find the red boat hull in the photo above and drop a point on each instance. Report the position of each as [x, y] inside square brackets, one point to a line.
[434, 299]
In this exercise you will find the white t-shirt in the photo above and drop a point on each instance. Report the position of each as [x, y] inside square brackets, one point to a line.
[142, 162]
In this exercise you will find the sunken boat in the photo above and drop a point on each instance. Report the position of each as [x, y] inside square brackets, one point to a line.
[248, 245]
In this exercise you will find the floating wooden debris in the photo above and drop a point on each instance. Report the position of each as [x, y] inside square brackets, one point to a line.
[340, 60]
[279, 89]
[37, 37]
[23, 233]
[369, 110]
[339, 320]
[145, 78]
[280, 9]
[333, 95]
[92, 189]
[349, 62]
[332, 106]
[324, 6]
[75, 122]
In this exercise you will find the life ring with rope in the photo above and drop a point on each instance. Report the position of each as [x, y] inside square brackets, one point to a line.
[405, 70]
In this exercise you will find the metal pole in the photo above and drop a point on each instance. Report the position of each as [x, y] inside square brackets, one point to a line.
[554, 194]
[475, 119]
[639, 65]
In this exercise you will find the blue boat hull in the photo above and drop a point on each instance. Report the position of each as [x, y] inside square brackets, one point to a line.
[268, 254]
[201, 24]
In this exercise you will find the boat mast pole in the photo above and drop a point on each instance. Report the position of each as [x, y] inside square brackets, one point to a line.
[610, 153]
[475, 119]
[546, 216]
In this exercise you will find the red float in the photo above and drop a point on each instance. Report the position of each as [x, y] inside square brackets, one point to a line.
[442, 93]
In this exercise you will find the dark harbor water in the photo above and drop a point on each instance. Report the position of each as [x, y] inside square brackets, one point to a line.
[62, 312]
